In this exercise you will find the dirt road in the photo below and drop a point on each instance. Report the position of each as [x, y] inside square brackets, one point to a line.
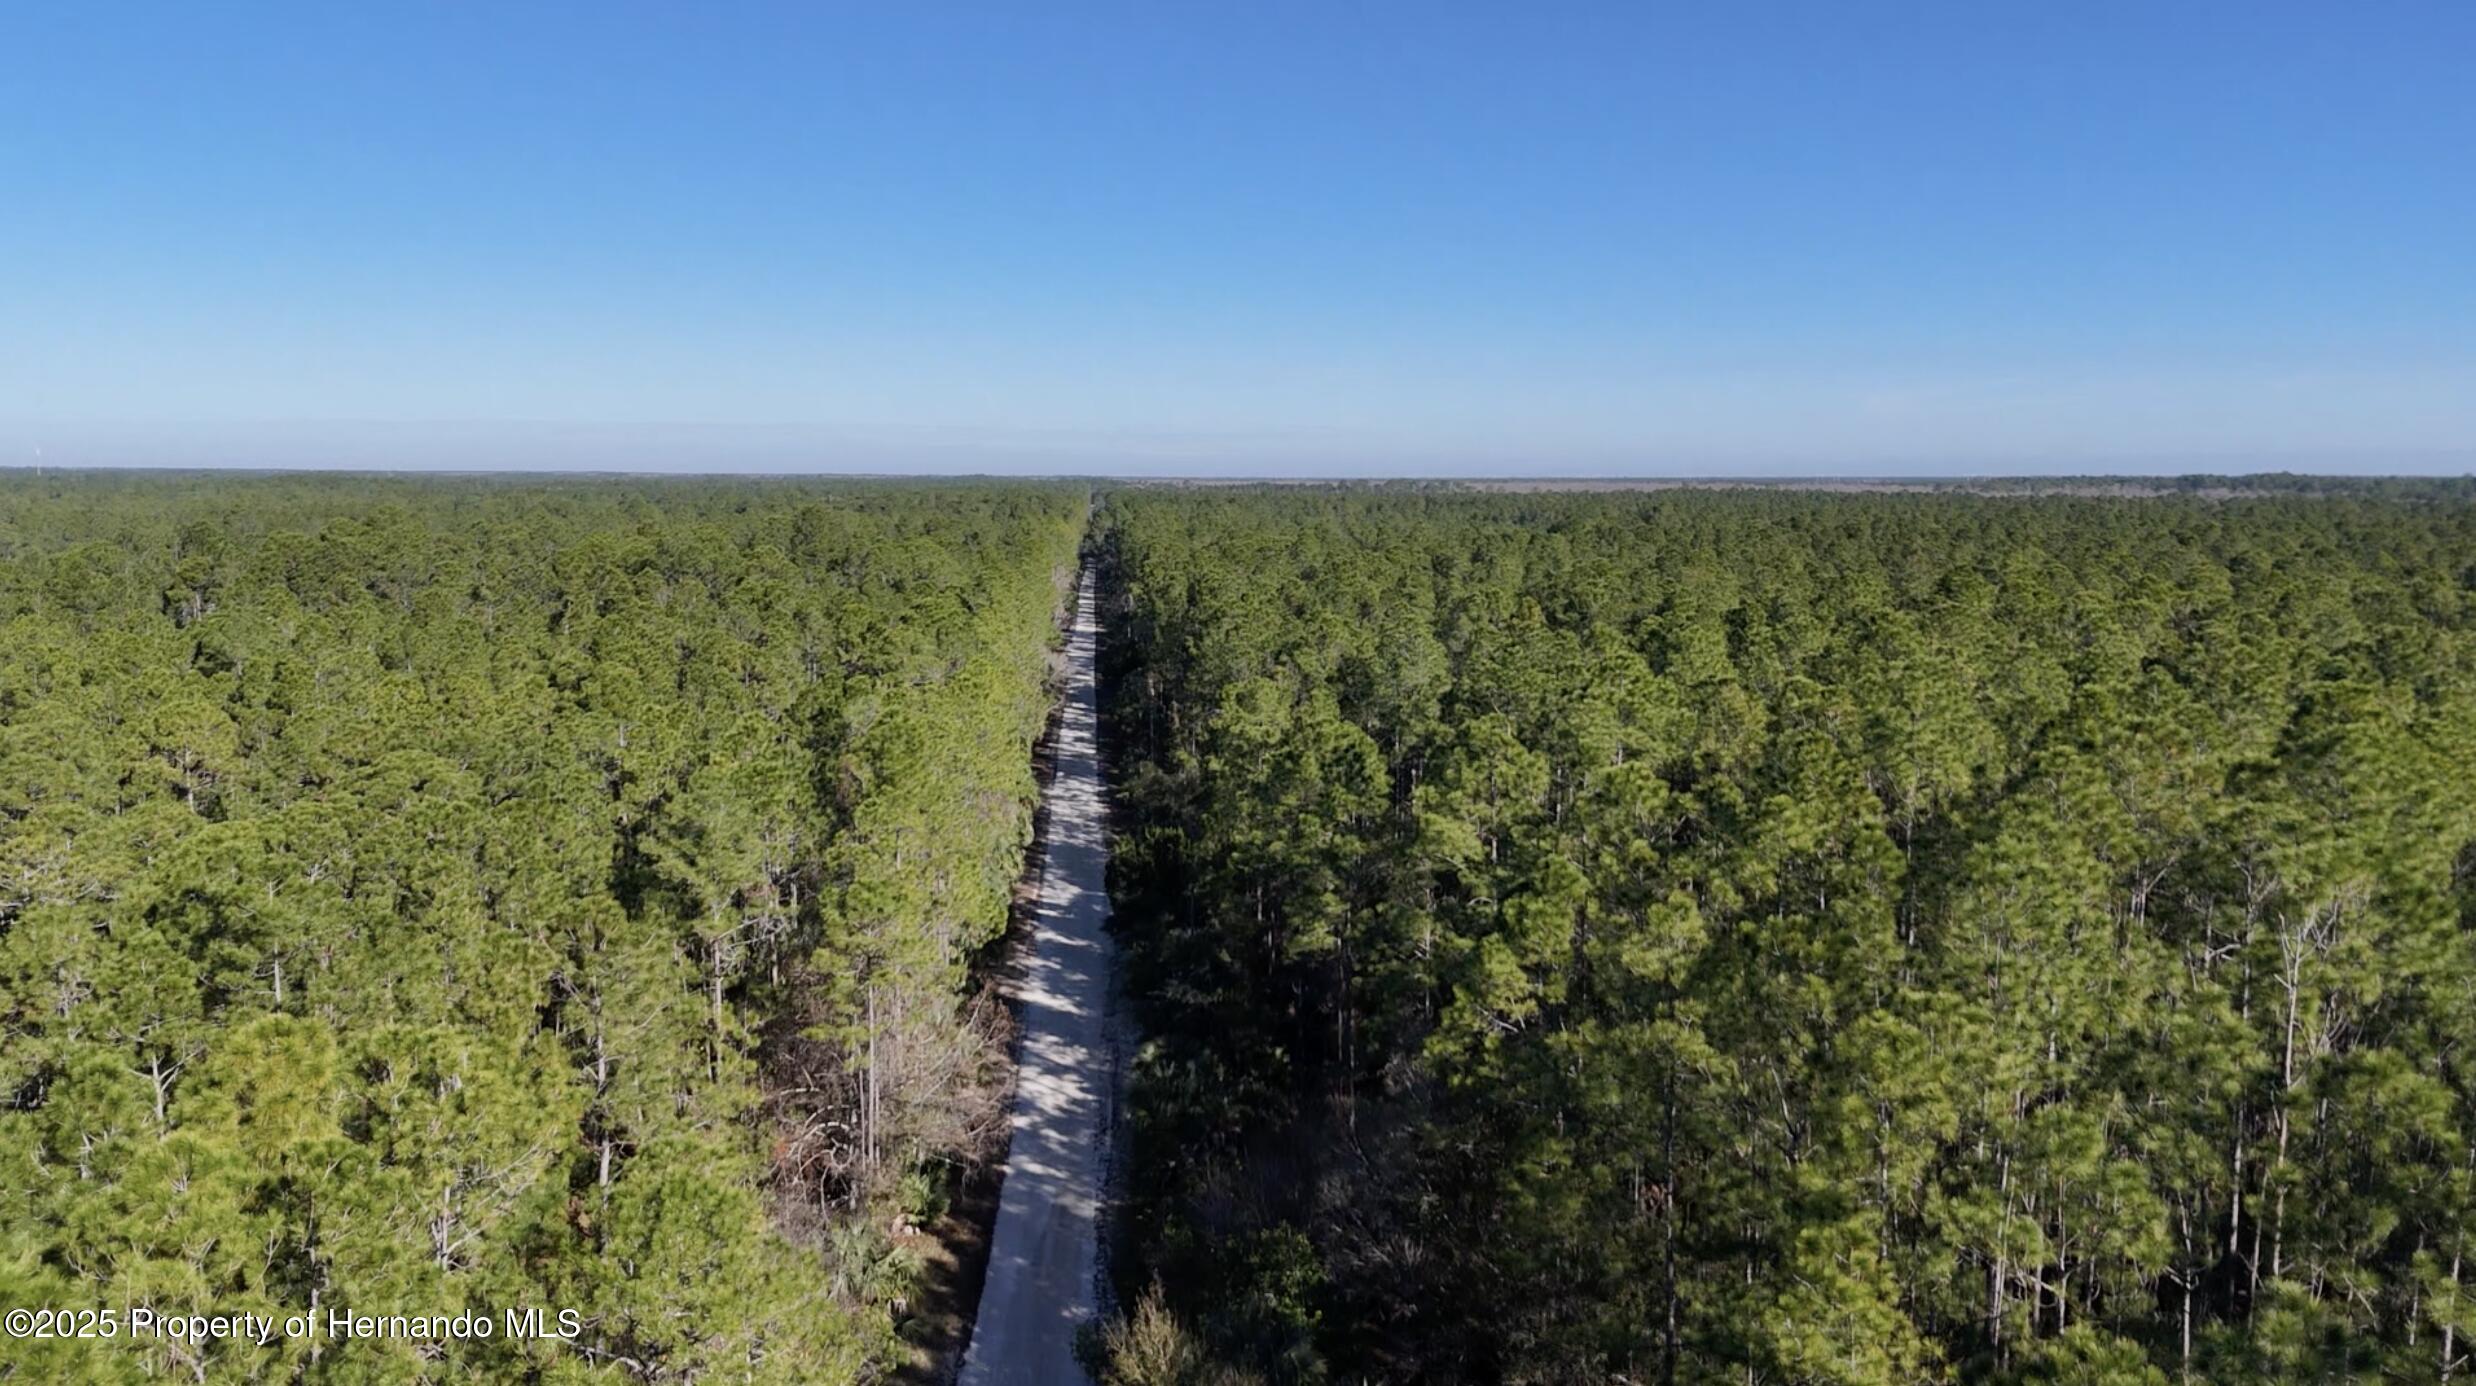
[1042, 1256]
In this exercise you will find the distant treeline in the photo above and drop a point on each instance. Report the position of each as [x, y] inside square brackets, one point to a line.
[1774, 937]
[2449, 489]
[424, 897]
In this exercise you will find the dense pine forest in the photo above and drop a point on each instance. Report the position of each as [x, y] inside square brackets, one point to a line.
[422, 896]
[1750, 936]
[1765, 937]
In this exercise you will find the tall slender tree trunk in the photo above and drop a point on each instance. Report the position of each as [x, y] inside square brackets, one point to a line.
[2450, 1326]
[163, 1086]
[2235, 1198]
[2294, 981]
[601, 1089]
[1998, 1268]
[2183, 1278]
[713, 988]
[868, 1095]
[1668, 1216]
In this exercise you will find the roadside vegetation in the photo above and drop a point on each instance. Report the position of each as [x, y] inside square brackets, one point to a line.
[440, 896]
[1747, 936]
[1769, 937]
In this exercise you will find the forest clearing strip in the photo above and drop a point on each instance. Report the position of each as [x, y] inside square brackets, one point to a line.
[1043, 1265]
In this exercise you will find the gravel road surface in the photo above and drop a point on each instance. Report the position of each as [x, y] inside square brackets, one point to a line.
[1043, 1267]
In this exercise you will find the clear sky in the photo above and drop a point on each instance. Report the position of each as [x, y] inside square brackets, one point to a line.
[1908, 236]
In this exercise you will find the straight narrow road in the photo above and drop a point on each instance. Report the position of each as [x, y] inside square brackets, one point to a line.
[1043, 1266]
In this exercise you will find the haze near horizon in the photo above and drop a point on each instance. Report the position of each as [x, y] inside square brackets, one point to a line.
[1266, 240]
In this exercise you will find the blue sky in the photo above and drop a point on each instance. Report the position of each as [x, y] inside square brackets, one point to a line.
[1262, 237]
